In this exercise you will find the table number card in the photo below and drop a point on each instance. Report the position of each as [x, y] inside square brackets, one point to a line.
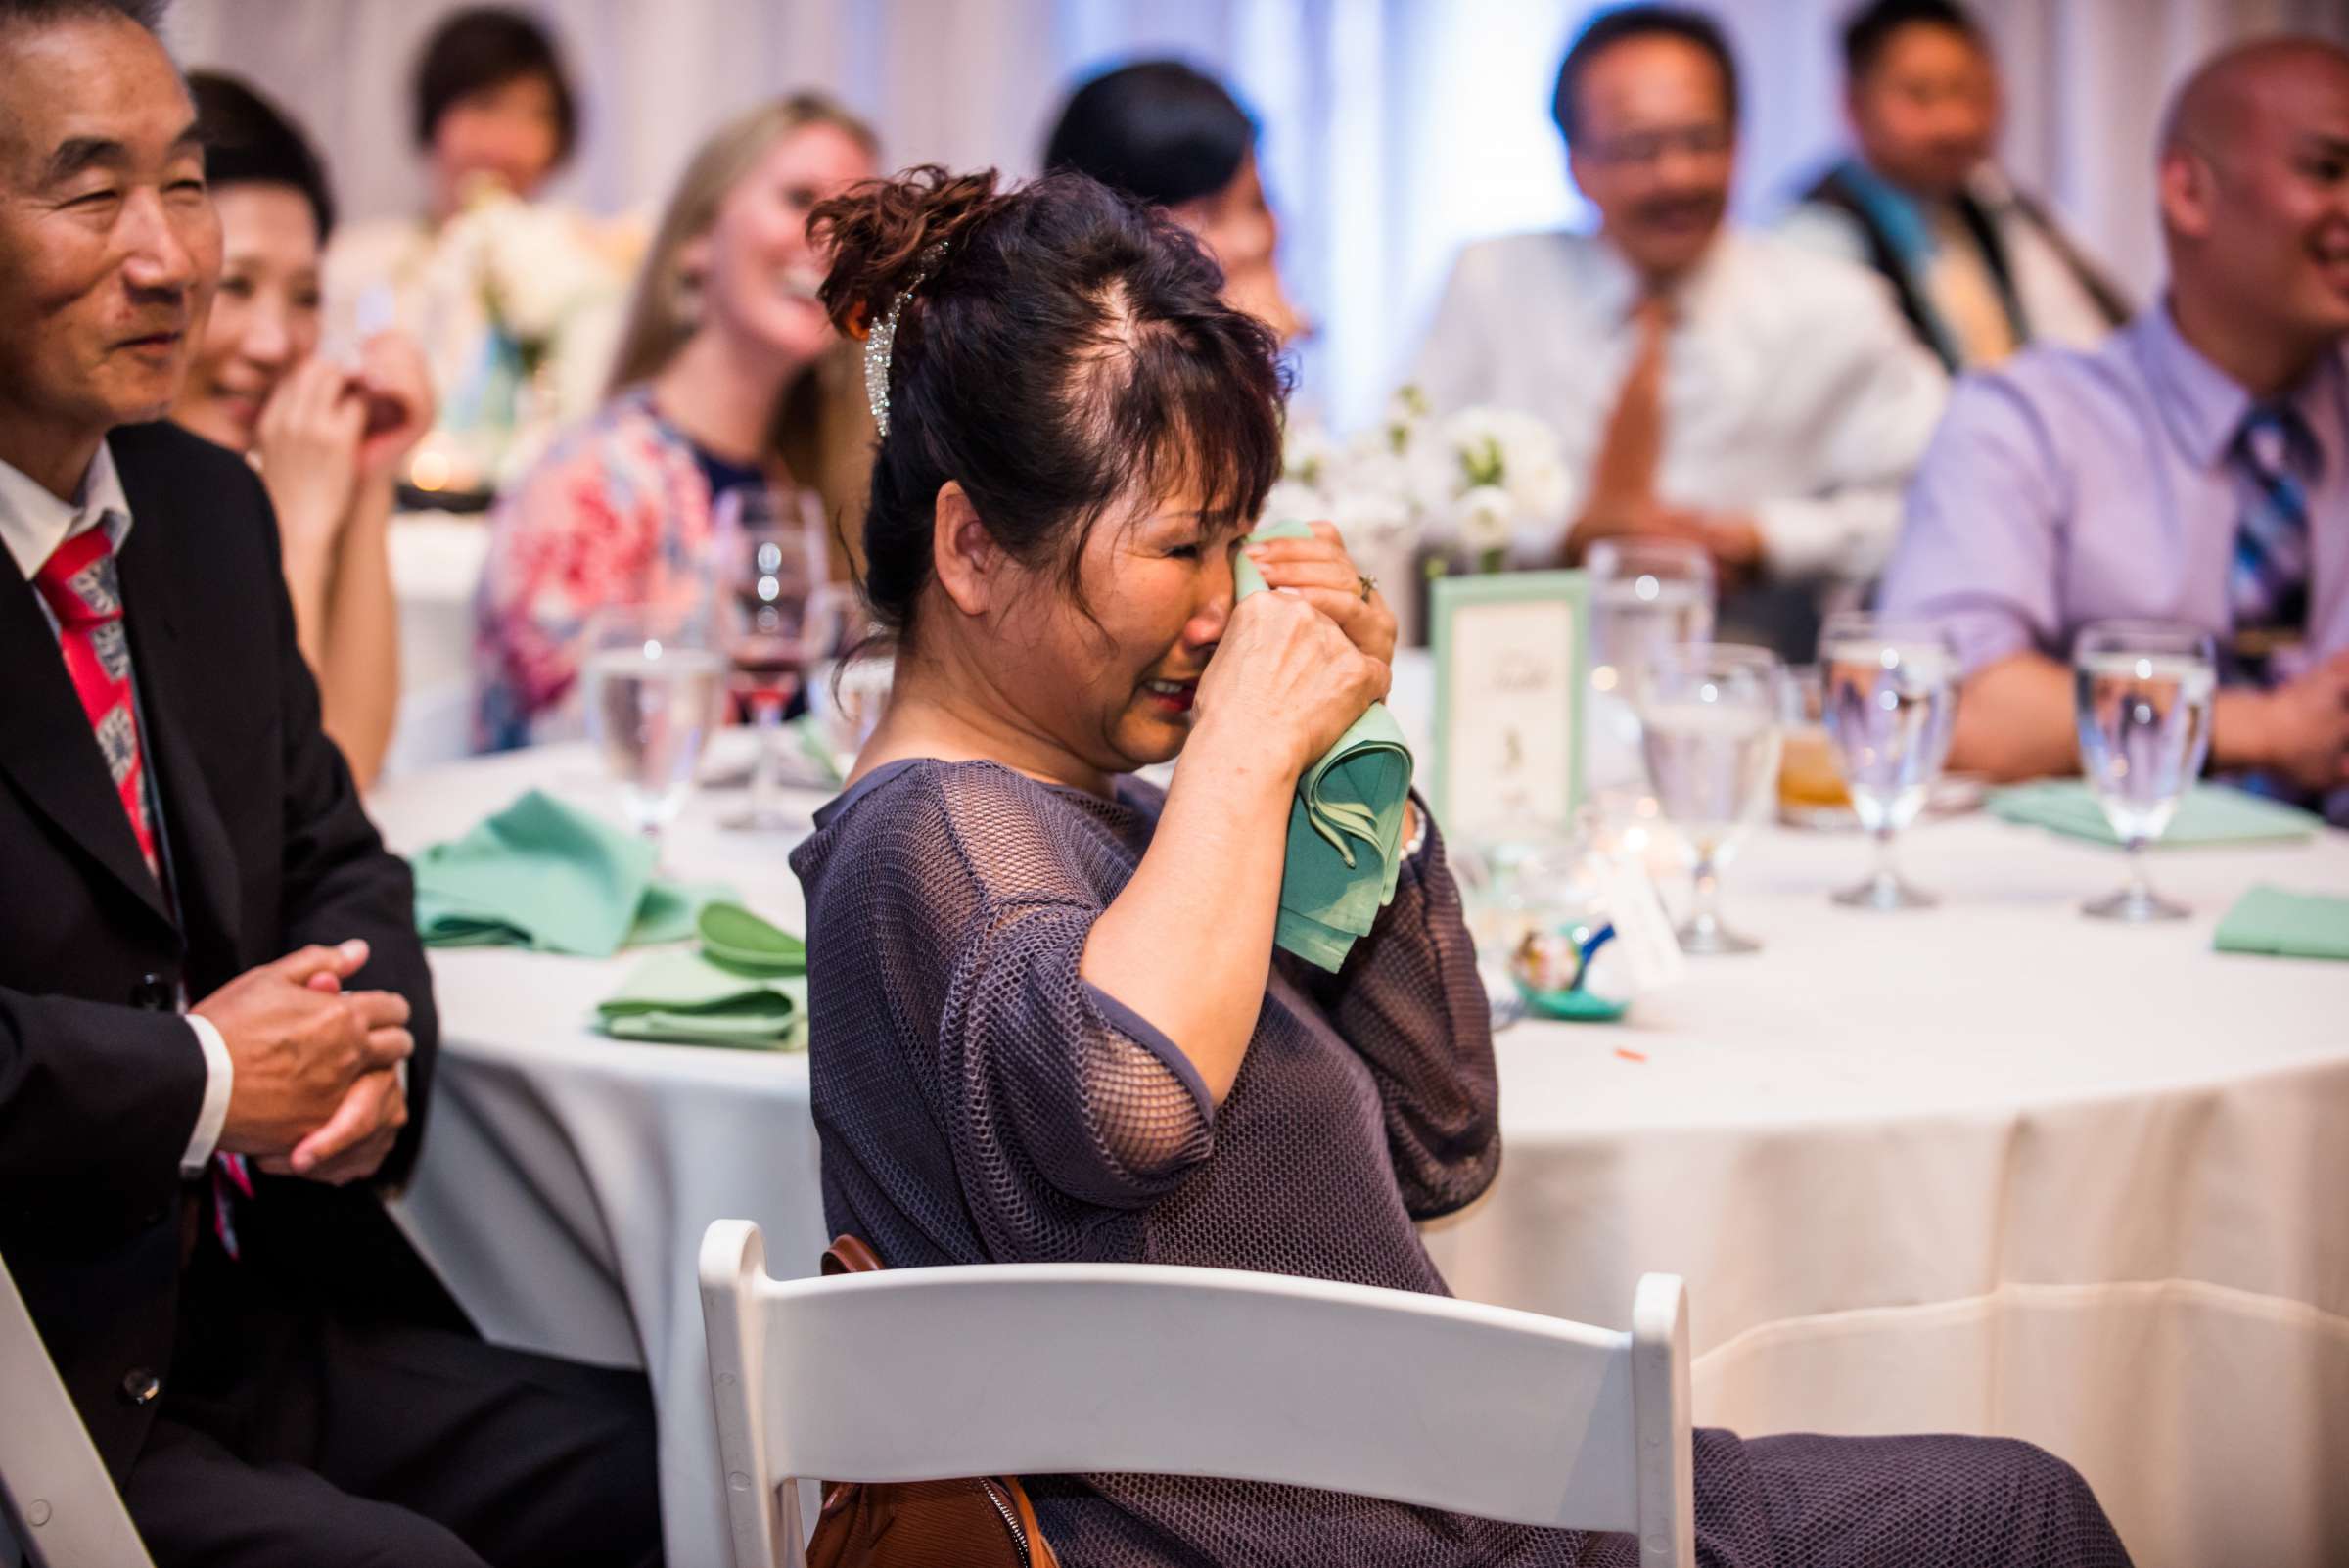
[1511, 662]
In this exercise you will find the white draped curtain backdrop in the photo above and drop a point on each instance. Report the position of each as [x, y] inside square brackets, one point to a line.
[1393, 130]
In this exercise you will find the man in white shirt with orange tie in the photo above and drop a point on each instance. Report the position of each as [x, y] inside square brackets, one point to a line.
[1708, 383]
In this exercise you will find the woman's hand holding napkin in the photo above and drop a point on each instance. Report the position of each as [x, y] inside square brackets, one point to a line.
[1346, 828]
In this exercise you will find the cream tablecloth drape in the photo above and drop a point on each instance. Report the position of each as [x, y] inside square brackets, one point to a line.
[1992, 1167]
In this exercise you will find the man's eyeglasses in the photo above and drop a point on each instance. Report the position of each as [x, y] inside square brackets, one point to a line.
[1643, 148]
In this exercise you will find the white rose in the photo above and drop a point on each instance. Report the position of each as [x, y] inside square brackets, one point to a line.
[1485, 517]
[1288, 501]
[1369, 515]
[1308, 455]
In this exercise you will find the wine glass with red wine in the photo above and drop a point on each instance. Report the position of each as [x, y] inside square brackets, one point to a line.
[773, 568]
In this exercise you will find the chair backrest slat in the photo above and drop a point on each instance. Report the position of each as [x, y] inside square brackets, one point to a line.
[63, 1501]
[1024, 1370]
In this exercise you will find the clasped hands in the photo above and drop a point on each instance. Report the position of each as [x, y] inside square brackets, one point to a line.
[316, 1090]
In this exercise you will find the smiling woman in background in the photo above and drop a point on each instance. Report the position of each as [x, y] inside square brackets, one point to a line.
[325, 436]
[502, 287]
[729, 373]
[1177, 139]
[492, 105]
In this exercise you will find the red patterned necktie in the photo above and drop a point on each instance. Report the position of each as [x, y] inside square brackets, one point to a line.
[79, 585]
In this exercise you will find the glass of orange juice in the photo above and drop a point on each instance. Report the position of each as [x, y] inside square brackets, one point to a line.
[1809, 777]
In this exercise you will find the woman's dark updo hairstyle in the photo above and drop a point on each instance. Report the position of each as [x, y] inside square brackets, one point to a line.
[248, 141]
[1156, 128]
[1070, 352]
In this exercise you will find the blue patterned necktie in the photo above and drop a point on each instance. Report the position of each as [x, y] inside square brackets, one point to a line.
[2267, 581]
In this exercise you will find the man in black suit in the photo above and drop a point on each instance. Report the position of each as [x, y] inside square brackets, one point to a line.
[187, 1191]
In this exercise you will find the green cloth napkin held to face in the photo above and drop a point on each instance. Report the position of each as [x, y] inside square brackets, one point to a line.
[1346, 828]
[2283, 923]
[746, 988]
[549, 877]
[2208, 813]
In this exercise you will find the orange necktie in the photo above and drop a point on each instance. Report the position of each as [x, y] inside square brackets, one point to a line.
[1623, 476]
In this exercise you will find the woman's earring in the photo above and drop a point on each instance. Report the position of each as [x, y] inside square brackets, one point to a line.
[686, 304]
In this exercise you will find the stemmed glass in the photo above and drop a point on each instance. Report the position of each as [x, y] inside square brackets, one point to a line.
[652, 682]
[1890, 702]
[1645, 596]
[1709, 717]
[2143, 691]
[772, 561]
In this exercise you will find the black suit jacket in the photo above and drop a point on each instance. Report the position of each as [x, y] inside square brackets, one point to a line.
[100, 1083]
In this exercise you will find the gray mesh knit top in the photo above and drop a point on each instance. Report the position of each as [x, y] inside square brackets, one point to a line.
[979, 1101]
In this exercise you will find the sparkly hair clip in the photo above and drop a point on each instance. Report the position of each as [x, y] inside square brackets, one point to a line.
[880, 337]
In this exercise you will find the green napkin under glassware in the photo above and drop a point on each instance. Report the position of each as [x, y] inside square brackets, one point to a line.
[2286, 925]
[1346, 828]
[2209, 813]
[745, 987]
[549, 877]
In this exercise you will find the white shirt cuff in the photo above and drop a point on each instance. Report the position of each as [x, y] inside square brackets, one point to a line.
[219, 1077]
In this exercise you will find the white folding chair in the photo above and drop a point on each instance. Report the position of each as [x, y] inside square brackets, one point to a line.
[1047, 1368]
[60, 1500]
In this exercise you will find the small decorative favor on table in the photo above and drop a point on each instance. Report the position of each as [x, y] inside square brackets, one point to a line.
[1551, 969]
[1575, 925]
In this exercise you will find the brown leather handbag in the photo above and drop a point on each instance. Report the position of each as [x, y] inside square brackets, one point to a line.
[982, 1522]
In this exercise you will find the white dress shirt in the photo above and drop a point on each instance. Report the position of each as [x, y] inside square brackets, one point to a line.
[2054, 301]
[32, 524]
[1793, 391]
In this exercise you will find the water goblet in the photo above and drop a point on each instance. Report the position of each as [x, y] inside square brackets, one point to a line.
[2142, 691]
[1645, 596]
[772, 562]
[1889, 703]
[849, 695]
[1709, 716]
[652, 683]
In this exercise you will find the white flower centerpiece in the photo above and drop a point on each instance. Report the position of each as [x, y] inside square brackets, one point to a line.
[1472, 481]
[531, 272]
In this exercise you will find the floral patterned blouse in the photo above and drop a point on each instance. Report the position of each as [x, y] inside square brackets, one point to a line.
[617, 511]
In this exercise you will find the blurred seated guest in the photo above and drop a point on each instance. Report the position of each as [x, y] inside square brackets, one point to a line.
[1050, 1021]
[1177, 139]
[1979, 268]
[218, 1036]
[500, 286]
[2194, 468]
[325, 436]
[1708, 383]
[728, 374]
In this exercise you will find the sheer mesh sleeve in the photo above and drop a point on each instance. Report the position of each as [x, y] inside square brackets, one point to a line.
[1058, 1099]
[1410, 1003]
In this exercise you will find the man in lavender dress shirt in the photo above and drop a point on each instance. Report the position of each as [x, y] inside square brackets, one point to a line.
[2194, 468]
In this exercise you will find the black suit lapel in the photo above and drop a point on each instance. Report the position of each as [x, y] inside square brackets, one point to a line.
[47, 748]
[203, 864]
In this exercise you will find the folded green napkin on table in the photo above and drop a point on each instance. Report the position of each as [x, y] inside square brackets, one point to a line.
[2209, 813]
[2288, 925]
[549, 877]
[745, 987]
[1346, 829]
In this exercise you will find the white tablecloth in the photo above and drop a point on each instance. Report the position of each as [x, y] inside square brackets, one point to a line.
[437, 562]
[1992, 1167]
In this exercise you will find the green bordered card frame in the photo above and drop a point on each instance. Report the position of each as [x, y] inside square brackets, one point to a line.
[1512, 671]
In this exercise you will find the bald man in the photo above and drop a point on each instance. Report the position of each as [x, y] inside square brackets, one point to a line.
[2194, 468]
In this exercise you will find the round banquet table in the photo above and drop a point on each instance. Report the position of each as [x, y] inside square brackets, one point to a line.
[1990, 1168]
